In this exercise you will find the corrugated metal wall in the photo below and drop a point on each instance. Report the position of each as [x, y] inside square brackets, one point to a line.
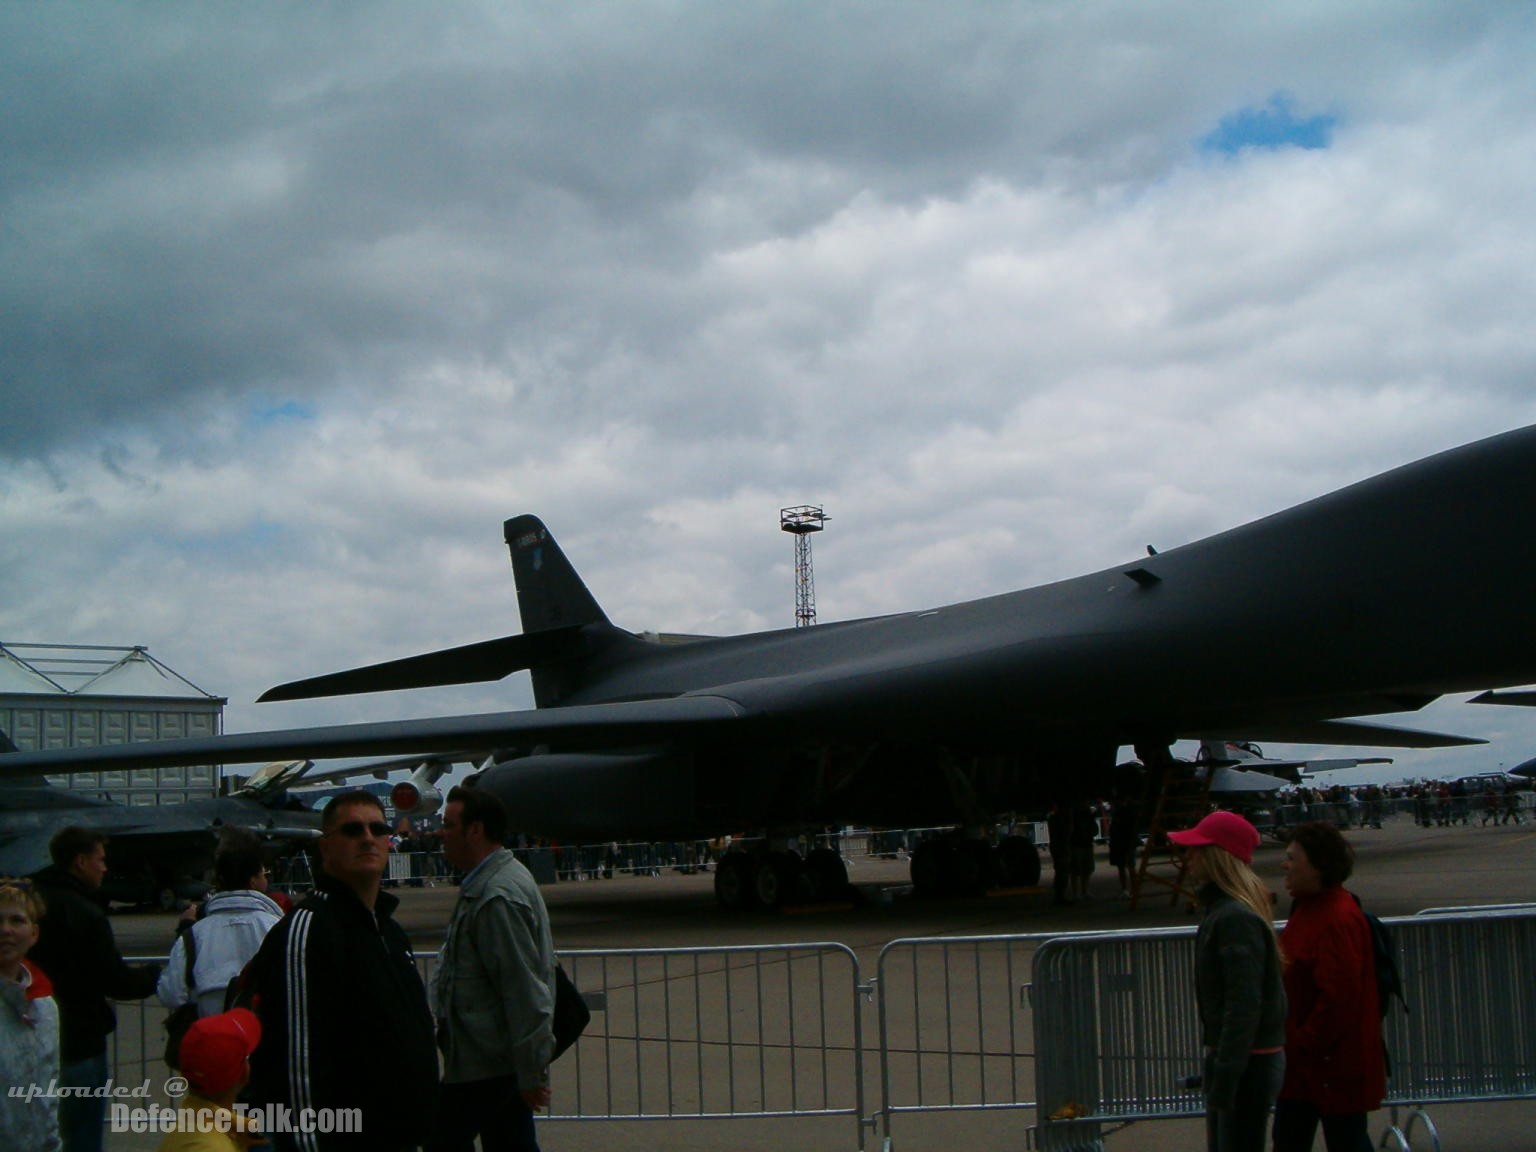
[36, 722]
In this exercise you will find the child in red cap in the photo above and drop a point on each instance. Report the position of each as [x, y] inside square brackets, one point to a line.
[215, 1059]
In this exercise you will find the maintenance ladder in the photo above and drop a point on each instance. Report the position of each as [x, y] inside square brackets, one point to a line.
[1183, 797]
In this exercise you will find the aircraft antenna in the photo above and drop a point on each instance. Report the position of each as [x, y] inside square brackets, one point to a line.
[800, 522]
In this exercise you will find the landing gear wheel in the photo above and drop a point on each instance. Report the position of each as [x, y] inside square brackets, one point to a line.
[733, 882]
[927, 867]
[953, 867]
[1018, 863]
[827, 875]
[966, 868]
[779, 879]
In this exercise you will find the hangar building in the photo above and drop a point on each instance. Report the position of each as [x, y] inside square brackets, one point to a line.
[83, 695]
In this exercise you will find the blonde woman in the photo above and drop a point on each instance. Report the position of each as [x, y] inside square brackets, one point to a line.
[1238, 984]
[29, 1026]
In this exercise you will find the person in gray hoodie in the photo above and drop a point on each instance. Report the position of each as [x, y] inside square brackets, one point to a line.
[494, 990]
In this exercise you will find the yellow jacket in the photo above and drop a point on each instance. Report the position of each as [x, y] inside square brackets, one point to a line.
[205, 1127]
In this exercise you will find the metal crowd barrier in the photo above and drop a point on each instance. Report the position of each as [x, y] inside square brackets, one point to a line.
[757, 1032]
[994, 1039]
[1470, 1030]
[635, 858]
[717, 1033]
[956, 1034]
[1116, 1032]
[1512, 807]
[1104, 1037]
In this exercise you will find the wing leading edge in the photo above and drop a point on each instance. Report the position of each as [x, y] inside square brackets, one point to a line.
[598, 725]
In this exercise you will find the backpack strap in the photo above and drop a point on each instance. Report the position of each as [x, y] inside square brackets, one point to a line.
[189, 942]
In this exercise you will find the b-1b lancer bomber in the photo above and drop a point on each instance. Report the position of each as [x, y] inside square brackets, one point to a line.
[1376, 599]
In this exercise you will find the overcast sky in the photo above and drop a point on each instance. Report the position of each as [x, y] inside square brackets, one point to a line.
[298, 302]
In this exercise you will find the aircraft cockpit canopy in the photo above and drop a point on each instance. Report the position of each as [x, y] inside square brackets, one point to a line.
[272, 778]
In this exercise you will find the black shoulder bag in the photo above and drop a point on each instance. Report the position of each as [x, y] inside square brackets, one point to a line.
[571, 1013]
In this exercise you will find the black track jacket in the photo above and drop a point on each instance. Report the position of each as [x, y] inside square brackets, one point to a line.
[345, 1022]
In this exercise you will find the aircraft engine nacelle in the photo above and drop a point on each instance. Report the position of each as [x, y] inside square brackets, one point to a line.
[415, 799]
[597, 795]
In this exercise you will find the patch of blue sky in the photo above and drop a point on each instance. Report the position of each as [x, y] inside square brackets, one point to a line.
[289, 411]
[257, 537]
[1269, 127]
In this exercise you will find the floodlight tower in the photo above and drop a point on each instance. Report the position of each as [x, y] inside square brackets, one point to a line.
[800, 522]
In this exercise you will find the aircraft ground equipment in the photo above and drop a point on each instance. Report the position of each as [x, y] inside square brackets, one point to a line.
[1183, 798]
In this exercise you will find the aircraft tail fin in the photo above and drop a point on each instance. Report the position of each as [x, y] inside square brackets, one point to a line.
[549, 592]
[556, 609]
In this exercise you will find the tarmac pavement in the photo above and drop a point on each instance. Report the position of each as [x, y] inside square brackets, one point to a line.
[1401, 869]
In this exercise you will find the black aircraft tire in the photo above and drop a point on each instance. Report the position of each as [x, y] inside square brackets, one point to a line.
[779, 879]
[1018, 863]
[927, 868]
[963, 869]
[733, 882]
[827, 874]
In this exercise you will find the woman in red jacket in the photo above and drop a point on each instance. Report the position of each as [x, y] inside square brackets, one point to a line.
[1334, 1070]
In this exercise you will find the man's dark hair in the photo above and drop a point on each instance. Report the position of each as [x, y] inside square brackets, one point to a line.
[336, 803]
[237, 859]
[483, 808]
[67, 843]
[1326, 850]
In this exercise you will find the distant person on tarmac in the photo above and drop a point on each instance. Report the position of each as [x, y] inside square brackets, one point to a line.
[1058, 826]
[1237, 984]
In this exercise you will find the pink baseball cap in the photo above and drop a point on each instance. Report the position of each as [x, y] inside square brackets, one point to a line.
[214, 1050]
[1226, 830]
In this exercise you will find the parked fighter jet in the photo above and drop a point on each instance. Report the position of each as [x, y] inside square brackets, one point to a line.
[1232, 760]
[1376, 599]
[155, 854]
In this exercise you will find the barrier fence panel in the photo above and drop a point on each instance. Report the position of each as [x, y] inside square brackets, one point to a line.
[1470, 1029]
[955, 1029]
[136, 1048]
[1117, 1034]
[716, 1033]
[684, 1033]
[1116, 1027]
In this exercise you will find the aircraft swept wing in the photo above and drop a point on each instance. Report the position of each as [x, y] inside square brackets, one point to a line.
[156, 853]
[1247, 757]
[1376, 599]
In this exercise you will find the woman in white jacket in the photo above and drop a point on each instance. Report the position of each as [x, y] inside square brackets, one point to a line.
[227, 931]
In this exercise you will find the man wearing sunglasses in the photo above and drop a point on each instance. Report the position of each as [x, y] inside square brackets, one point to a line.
[344, 1015]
